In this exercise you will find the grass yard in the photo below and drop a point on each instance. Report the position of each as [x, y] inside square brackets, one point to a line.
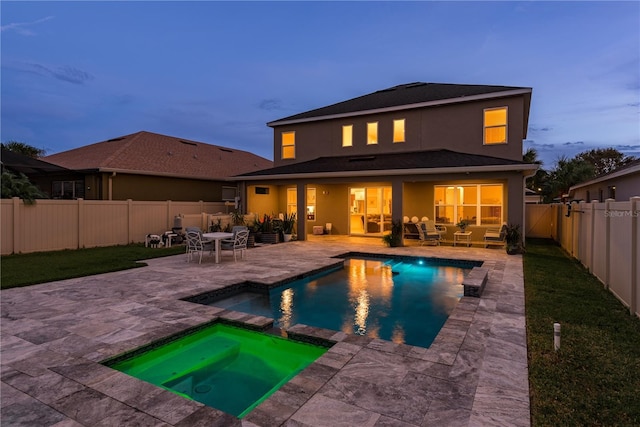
[30, 269]
[594, 380]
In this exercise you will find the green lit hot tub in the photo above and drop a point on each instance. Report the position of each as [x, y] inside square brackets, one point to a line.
[225, 367]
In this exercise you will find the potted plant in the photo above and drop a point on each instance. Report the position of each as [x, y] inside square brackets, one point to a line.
[394, 238]
[288, 224]
[270, 229]
[237, 217]
[514, 239]
[463, 224]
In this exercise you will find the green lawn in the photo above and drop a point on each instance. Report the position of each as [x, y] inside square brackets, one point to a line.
[30, 269]
[594, 380]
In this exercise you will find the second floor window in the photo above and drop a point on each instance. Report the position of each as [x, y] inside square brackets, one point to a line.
[347, 135]
[372, 133]
[288, 145]
[398, 130]
[495, 125]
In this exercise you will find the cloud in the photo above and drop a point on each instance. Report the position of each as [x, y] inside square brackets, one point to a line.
[538, 145]
[22, 27]
[270, 104]
[573, 143]
[64, 73]
[542, 129]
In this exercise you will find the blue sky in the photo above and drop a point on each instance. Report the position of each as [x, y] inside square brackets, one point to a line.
[75, 73]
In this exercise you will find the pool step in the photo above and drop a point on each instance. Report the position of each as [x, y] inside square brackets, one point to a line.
[475, 282]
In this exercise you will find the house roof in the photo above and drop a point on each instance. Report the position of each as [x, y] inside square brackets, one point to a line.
[28, 165]
[154, 154]
[405, 96]
[628, 169]
[429, 161]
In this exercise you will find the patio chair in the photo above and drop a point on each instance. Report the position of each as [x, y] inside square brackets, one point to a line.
[195, 244]
[428, 233]
[239, 243]
[495, 236]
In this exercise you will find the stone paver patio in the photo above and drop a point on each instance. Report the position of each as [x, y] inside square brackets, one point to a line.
[54, 335]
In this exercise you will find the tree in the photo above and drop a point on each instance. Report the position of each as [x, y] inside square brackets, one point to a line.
[537, 181]
[20, 186]
[605, 160]
[24, 149]
[566, 173]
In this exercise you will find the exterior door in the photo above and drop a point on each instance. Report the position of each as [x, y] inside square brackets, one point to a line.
[370, 210]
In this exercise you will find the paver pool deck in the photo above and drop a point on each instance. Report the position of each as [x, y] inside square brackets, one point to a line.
[54, 335]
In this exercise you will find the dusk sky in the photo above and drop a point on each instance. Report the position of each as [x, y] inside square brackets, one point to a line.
[75, 73]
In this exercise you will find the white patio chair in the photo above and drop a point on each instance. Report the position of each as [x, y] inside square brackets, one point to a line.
[495, 236]
[428, 233]
[239, 244]
[195, 244]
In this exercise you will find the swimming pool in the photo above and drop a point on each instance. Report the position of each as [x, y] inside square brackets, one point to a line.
[402, 300]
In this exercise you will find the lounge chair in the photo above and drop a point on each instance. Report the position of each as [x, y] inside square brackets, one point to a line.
[428, 233]
[495, 236]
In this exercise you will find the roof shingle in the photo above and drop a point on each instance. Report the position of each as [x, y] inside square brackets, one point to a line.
[404, 95]
[388, 161]
[147, 152]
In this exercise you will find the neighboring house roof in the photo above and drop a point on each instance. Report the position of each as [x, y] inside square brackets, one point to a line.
[628, 169]
[154, 154]
[406, 96]
[28, 165]
[421, 162]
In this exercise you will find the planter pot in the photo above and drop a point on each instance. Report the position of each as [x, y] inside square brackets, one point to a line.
[287, 237]
[251, 240]
[270, 238]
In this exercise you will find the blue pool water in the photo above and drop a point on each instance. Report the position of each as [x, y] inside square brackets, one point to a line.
[396, 300]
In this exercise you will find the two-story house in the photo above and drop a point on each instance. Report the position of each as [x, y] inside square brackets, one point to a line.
[442, 151]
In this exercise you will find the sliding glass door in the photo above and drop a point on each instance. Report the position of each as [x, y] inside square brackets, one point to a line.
[370, 210]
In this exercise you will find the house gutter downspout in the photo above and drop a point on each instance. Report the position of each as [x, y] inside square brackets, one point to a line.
[113, 174]
[524, 202]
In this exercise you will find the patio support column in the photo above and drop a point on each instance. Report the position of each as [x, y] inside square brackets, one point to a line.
[397, 187]
[301, 215]
[515, 200]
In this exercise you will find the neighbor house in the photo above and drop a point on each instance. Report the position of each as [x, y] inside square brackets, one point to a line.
[619, 185]
[150, 166]
[42, 174]
[446, 152]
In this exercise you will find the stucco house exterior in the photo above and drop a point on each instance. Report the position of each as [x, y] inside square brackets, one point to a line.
[441, 151]
[151, 166]
[619, 185]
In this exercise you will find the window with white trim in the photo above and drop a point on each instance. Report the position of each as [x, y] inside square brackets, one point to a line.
[347, 135]
[229, 194]
[372, 133]
[311, 204]
[495, 125]
[288, 145]
[292, 200]
[479, 204]
[398, 130]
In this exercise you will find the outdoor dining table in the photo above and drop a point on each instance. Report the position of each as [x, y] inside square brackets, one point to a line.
[217, 237]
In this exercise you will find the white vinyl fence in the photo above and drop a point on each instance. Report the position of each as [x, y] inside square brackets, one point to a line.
[604, 237]
[71, 224]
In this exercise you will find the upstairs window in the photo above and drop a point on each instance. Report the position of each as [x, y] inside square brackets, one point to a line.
[398, 130]
[347, 135]
[372, 133]
[288, 145]
[495, 125]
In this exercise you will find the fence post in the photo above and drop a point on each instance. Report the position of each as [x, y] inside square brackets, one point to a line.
[80, 202]
[635, 212]
[129, 220]
[607, 239]
[17, 226]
